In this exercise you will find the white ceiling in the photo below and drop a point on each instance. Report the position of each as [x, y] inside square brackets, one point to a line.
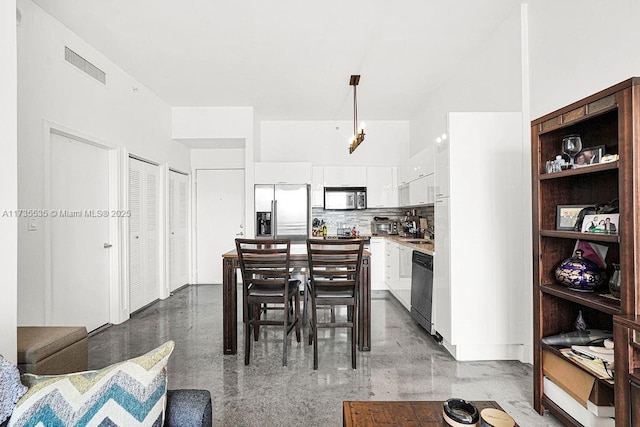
[289, 59]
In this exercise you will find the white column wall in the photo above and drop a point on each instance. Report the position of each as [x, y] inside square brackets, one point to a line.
[488, 79]
[9, 180]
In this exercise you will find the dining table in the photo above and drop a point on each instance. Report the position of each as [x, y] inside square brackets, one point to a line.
[298, 259]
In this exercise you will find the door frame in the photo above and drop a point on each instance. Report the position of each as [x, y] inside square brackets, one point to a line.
[50, 127]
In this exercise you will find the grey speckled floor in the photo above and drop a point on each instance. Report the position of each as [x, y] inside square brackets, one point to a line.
[405, 364]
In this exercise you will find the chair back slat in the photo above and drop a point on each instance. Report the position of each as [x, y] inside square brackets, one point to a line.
[264, 262]
[334, 264]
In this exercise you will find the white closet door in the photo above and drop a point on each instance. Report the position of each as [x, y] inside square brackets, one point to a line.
[136, 280]
[178, 238]
[152, 230]
[144, 229]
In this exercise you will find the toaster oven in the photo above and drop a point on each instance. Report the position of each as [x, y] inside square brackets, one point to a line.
[383, 227]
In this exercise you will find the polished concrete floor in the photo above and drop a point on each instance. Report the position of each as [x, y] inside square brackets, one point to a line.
[405, 363]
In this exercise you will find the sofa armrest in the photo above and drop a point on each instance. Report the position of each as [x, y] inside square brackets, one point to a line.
[188, 408]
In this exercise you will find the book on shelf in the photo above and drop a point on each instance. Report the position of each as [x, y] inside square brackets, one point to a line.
[594, 366]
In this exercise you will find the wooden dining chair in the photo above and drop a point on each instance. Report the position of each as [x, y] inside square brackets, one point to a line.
[334, 271]
[264, 265]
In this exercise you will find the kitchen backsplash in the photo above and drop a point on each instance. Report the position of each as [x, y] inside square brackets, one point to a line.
[361, 219]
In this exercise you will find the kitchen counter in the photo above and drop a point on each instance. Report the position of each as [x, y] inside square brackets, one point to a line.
[422, 245]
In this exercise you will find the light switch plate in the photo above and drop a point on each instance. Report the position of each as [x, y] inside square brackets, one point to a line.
[33, 224]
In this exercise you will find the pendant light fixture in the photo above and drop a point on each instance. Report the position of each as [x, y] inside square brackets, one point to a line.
[358, 132]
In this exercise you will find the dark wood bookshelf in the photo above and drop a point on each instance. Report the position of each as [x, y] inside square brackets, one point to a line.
[587, 299]
[585, 170]
[609, 118]
[576, 235]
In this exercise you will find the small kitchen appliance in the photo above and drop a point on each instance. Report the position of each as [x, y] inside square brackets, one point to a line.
[345, 198]
[383, 226]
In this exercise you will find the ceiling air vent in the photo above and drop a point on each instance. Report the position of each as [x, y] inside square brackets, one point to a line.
[73, 58]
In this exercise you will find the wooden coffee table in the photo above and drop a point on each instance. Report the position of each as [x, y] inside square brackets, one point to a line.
[399, 413]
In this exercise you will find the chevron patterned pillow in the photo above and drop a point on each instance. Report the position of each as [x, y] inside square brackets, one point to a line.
[129, 393]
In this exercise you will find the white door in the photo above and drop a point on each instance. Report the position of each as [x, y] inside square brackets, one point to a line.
[177, 223]
[219, 219]
[79, 260]
[144, 229]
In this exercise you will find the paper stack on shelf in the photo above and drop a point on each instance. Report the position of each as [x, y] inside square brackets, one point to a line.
[594, 366]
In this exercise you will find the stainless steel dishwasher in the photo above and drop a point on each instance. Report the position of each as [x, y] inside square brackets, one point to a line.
[422, 290]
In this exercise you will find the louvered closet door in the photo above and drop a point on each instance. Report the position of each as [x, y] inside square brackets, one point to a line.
[178, 238]
[144, 228]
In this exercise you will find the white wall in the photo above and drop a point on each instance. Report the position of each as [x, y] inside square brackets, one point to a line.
[212, 122]
[325, 143]
[123, 113]
[579, 47]
[9, 179]
[220, 158]
[488, 79]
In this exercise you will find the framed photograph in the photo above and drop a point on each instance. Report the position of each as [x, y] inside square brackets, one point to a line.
[601, 223]
[589, 156]
[566, 216]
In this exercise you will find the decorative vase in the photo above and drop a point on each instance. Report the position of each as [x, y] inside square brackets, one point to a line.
[614, 281]
[580, 274]
[579, 324]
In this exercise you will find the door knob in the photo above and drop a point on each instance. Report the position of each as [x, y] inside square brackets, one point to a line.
[107, 245]
[240, 234]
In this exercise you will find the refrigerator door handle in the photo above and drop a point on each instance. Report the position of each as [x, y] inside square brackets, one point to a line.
[274, 219]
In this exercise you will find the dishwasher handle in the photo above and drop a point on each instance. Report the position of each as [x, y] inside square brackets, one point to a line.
[422, 259]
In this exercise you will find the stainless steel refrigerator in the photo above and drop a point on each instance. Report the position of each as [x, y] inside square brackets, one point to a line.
[282, 211]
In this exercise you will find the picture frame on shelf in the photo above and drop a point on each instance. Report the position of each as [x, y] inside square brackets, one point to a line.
[601, 223]
[589, 156]
[567, 215]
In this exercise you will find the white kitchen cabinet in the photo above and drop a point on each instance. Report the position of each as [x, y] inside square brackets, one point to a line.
[391, 272]
[317, 187]
[422, 191]
[282, 173]
[345, 176]
[381, 191]
[404, 195]
[479, 272]
[406, 173]
[419, 192]
[378, 262]
[418, 166]
[442, 169]
[404, 272]
[396, 273]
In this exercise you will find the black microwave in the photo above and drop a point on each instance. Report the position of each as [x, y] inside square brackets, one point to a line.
[345, 198]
